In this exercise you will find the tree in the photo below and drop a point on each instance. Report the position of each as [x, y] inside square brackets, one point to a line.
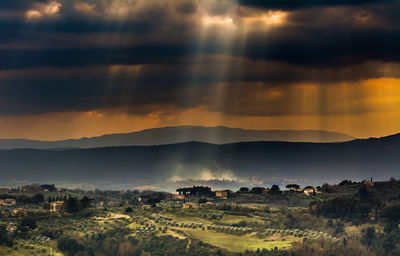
[85, 202]
[23, 199]
[72, 205]
[69, 245]
[153, 201]
[326, 188]
[257, 190]
[37, 199]
[363, 192]
[202, 200]
[345, 182]
[111, 245]
[390, 227]
[244, 190]
[3, 234]
[275, 190]
[292, 186]
[28, 222]
[391, 213]
[368, 235]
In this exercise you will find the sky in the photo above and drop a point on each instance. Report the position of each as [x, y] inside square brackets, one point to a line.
[82, 68]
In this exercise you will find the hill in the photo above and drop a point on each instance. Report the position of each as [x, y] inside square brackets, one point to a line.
[179, 134]
[255, 162]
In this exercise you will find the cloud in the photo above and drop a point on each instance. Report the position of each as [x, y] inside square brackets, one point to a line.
[162, 58]
[148, 32]
[247, 87]
[294, 4]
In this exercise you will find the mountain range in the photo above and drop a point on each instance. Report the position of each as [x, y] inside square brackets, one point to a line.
[179, 134]
[244, 163]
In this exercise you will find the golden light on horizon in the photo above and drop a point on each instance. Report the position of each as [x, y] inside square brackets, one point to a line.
[369, 108]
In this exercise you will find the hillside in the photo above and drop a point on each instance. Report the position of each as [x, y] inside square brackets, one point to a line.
[179, 134]
[155, 165]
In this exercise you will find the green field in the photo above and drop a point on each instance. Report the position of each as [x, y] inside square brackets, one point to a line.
[236, 243]
[233, 219]
[194, 219]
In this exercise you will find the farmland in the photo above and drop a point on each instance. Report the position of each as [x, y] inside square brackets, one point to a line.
[162, 224]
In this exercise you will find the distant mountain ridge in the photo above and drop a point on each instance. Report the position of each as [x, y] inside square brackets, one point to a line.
[179, 134]
[162, 165]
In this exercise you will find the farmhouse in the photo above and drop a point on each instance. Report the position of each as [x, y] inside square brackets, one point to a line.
[187, 206]
[103, 203]
[368, 182]
[300, 190]
[19, 212]
[57, 206]
[8, 201]
[222, 193]
[179, 197]
[146, 207]
[309, 190]
[12, 227]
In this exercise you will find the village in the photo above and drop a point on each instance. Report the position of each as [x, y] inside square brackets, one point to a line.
[45, 220]
[54, 199]
[14, 199]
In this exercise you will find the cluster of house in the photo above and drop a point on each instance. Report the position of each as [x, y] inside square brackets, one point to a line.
[201, 191]
[31, 188]
[57, 206]
[19, 212]
[11, 202]
[37, 188]
[8, 202]
[309, 190]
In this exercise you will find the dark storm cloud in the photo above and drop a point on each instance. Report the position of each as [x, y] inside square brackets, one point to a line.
[334, 41]
[321, 47]
[18, 4]
[144, 54]
[140, 88]
[49, 95]
[313, 37]
[296, 4]
[314, 47]
[70, 20]
[299, 46]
